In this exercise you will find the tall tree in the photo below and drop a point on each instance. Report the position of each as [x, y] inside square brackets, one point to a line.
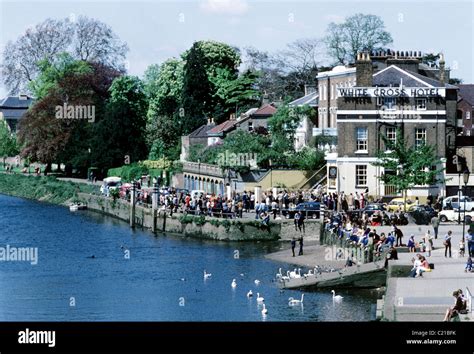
[357, 33]
[121, 132]
[203, 61]
[165, 89]
[284, 74]
[238, 94]
[413, 165]
[46, 138]
[86, 39]
[96, 42]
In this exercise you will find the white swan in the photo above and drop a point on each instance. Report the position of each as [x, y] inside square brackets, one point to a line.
[260, 298]
[310, 272]
[298, 275]
[286, 277]
[250, 294]
[264, 310]
[207, 275]
[279, 275]
[336, 297]
[234, 283]
[257, 281]
[293, 273]
[293, 302]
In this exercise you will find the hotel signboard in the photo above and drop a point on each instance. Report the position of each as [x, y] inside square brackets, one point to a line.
[392, 92]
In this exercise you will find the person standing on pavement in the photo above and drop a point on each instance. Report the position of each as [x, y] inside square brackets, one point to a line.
[428, 243]
[293, 245]
[301, 246]
[435, 224]
[447, 244]
[470, 244]
[351, 201]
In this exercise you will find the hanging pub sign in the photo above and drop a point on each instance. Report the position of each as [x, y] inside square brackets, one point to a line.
[332, 172]
[391, 92]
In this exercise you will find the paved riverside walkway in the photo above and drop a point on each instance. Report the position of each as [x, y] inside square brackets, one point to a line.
[407, 299]
[426, 298]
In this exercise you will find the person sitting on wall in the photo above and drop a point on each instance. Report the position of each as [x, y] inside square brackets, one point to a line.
[454, 311]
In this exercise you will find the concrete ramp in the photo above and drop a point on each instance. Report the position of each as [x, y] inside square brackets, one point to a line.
[369, 275]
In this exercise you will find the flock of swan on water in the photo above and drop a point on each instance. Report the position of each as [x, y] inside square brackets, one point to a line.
[290, 275]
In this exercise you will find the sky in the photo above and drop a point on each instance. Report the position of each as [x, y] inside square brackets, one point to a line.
[156, 30]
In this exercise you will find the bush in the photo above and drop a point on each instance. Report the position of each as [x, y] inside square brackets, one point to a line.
[199, 220]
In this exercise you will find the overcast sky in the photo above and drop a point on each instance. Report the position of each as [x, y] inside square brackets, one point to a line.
[157, 29]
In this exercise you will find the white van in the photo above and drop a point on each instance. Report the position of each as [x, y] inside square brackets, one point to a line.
[454, 202]
[109, 184]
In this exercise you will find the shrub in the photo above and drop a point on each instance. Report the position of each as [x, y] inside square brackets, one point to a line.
[199, 220]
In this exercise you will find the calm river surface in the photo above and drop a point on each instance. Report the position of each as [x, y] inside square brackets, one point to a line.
[161, 281]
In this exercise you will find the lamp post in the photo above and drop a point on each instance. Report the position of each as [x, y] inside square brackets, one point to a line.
[459, 169]
[465, 177]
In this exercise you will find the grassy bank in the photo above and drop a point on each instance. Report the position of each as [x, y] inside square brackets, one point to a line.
[47, 189]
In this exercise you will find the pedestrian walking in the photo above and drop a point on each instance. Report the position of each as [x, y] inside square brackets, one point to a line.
[297, 220]
[447, 244]
[301, 225]
[435, 224]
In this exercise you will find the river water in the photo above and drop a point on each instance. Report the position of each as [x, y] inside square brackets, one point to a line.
[136, 276]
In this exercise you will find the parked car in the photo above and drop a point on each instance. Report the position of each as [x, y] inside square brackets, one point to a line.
[453, 202]
[396, 204]
[370, 209]
[308, 209]
[422, 214]
[453, 215]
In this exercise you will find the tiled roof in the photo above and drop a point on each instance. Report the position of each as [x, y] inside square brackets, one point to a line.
[266, 110]
[13, 107]
[467, 93]
[16, 102]
[392, 75]
[201, 132]
[223, 127]
[311, 99]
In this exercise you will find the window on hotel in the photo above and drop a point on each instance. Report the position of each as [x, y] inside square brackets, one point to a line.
[420, 137]
[250, 126]
[390, 102]
[361, 139]
[468, 115]
[391, 134]
[421, 103]
[361, 175]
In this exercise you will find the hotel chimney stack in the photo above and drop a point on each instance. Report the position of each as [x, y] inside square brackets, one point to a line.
[364, 70]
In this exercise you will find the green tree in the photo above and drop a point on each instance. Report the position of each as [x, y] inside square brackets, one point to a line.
[164, 87]
[205, 61]
[47, 139]
[238, 94]
[357, 33]
[52, 71]
[150, 79]
[121, 133]
[283, 126]
[413, 165]
[8, 143]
